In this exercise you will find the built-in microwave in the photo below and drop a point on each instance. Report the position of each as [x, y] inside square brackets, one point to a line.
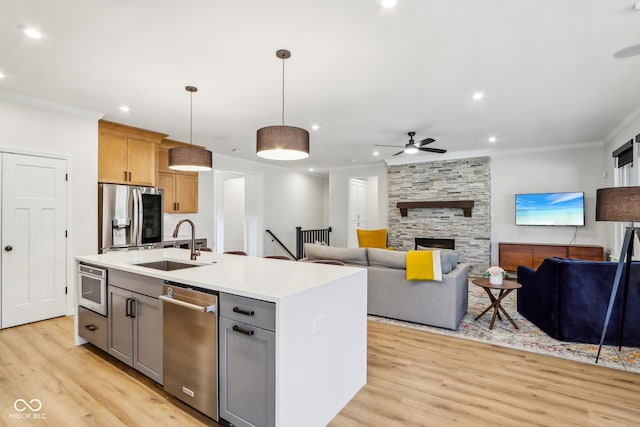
[92, 288]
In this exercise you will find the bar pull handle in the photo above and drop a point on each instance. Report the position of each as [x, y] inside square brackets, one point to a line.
[128, 308]
[125, 176]
[242, 331]
[91, 327]
[178, 206]
[129, 176]
[203, 309]
[245, 312]
[134, 308]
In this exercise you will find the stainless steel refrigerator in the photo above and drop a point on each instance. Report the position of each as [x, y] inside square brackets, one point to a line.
[129, 217]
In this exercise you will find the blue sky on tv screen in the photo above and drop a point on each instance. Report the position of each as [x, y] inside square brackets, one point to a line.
[550, 209]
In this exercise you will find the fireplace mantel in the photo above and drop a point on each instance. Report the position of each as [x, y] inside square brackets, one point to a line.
[465, 205]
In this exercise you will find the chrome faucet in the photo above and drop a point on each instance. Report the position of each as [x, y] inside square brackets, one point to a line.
[194, 252]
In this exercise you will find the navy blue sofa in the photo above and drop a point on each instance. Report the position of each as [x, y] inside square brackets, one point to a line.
[568, 300]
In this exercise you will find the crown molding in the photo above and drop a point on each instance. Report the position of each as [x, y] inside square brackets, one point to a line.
[32, 101]
[631, 118]
[454, 155]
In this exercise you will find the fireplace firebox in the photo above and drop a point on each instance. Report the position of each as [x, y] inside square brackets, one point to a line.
[435, 243]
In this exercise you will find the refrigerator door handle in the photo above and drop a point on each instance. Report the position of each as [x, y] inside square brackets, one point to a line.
[136, 218]
[140, 217]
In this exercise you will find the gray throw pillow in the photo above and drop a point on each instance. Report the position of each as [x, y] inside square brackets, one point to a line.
[387, 258]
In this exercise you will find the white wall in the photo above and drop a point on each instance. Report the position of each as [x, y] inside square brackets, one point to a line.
[339, 199]
[577, 168]
[34, 126]
[287, 199]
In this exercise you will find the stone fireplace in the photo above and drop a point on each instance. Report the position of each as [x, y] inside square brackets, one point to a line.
[462, 188]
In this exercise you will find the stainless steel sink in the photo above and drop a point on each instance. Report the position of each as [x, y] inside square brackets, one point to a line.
[168, 265]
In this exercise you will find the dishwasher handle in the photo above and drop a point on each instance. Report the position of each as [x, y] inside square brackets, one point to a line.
[204, 309]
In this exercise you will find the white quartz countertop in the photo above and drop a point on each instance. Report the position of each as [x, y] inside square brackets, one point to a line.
[262, 278]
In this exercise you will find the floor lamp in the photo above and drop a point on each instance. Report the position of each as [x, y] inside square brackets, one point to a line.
[620, 204]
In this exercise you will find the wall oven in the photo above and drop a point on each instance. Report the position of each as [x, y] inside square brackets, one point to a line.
[92, 288]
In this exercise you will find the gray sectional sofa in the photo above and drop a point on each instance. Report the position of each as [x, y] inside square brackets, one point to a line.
[441, 304]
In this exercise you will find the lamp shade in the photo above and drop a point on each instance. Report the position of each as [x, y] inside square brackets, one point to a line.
[621, 204]
[193, 159]
[282, 143]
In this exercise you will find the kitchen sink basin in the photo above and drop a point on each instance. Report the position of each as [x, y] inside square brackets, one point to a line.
[168, 265]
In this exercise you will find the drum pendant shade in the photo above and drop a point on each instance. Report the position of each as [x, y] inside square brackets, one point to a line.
[283, 143]
[193, 159]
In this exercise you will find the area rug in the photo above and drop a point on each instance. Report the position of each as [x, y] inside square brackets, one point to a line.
[527, 338]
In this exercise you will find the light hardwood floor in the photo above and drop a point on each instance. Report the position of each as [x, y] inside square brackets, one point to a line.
[414, 379]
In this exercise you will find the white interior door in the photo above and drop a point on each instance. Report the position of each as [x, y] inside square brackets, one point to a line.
[33, 238]
[358, 205]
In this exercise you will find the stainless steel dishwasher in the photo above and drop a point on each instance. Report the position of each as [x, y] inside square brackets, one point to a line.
[190, 333]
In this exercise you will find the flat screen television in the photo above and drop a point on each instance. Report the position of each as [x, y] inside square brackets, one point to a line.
[550, 209]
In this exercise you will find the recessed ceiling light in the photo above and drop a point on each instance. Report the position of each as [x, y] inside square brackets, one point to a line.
[2, 76]
[124, 109]
[628, 52]
[310, 169]
[477, 96]
[315, 127]
[376, 153]
[388, 4]
[31, 32]
[492, 139]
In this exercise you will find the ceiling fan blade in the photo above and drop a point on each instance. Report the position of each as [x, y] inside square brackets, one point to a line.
[382, 145]
[399, 152]
[425, 142]
[432, 150]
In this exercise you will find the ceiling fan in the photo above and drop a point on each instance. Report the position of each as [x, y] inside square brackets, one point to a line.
[413, 147]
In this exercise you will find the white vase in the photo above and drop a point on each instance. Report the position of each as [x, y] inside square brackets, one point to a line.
[495, 279]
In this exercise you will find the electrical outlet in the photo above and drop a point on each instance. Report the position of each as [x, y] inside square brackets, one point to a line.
[319, 323]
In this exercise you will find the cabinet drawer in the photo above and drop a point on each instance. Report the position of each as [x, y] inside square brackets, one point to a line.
[248, 310]
[144, 285]
[92, 327]
[586, 253]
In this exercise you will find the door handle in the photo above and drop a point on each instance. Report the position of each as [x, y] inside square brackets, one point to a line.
[91, 327]
[128, 308]
[8, 248]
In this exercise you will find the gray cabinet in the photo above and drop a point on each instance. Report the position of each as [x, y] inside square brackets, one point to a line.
[247, 361]
[92, 327]
[135, 328]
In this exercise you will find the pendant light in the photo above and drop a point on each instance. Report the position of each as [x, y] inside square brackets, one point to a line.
[193, 159]
[282, 142]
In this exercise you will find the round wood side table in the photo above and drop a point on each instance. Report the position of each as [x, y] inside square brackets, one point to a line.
[505, 288]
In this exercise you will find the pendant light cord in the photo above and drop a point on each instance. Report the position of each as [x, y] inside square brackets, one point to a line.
[282, 91]
[191, 118]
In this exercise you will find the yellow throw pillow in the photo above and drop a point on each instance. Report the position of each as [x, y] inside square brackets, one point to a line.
[372, 238]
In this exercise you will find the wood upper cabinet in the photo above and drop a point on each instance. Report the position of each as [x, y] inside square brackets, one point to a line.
[180, 188]
[127, 155]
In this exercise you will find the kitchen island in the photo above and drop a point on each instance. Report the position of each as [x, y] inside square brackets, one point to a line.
[320, 321]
